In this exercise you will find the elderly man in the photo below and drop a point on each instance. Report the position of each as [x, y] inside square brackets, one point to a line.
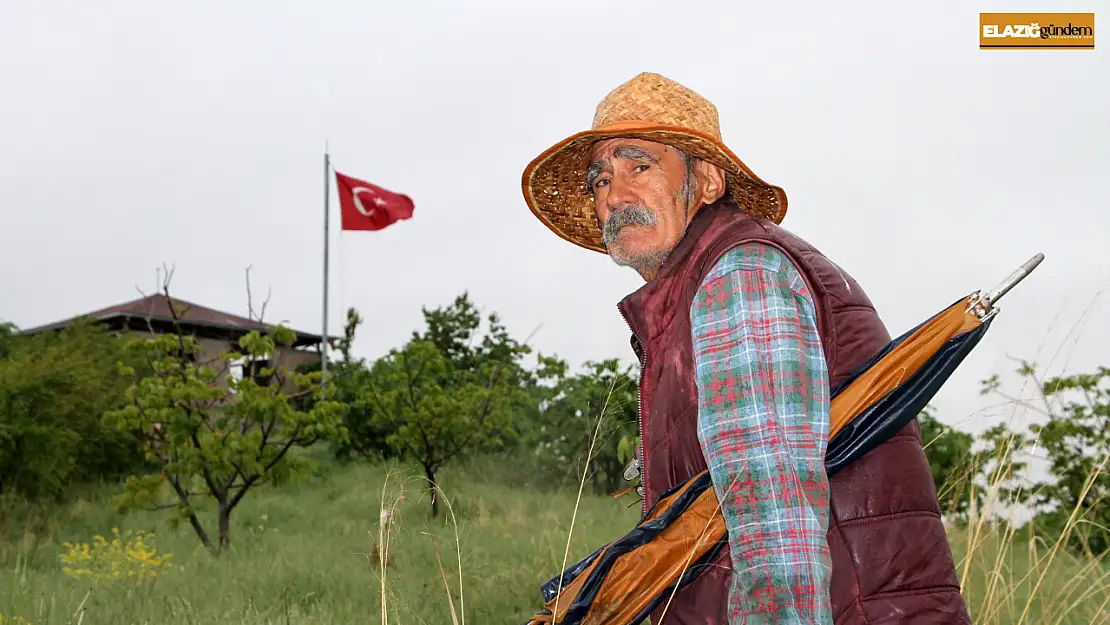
[742, 330]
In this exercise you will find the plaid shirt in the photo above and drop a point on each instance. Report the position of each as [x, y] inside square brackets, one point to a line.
[763, 423]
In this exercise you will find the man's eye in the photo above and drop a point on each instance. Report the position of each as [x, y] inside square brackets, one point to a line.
[600, 183]
[640, 168]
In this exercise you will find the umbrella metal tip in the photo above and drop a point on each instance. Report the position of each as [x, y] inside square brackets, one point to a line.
[1018, 275]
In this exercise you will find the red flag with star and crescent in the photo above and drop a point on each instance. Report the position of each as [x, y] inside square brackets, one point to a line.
[364, 206]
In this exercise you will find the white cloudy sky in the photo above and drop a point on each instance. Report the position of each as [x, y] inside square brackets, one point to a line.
[139, 133]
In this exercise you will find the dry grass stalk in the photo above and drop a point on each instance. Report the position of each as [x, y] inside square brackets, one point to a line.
[581, 487]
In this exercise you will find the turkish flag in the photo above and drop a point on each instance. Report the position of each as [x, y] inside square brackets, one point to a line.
[363, 206]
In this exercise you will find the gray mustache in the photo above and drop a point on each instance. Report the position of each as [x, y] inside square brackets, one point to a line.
[635, 215]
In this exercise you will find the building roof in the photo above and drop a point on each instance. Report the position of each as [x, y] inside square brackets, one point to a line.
[155, 309]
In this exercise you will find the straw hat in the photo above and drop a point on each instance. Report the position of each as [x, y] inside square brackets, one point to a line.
[649, 107]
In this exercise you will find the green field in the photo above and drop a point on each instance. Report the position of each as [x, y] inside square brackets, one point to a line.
[308, 553]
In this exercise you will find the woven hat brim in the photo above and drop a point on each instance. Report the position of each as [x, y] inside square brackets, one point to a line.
[554, 183]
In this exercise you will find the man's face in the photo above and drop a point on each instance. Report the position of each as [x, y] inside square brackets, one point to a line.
[645, 194]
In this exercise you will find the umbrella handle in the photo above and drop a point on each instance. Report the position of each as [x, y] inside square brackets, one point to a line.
[984, 305]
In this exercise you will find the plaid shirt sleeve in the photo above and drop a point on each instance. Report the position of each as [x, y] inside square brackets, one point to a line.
[763, 423]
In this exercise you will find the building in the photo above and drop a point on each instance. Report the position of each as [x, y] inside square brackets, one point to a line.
[217, 332]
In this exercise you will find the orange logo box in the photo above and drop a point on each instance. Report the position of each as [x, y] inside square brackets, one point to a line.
[1036, 31]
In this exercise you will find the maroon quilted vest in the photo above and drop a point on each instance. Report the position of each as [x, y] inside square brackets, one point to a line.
[891, 561]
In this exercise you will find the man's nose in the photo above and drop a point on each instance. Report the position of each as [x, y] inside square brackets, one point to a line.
[620, 194]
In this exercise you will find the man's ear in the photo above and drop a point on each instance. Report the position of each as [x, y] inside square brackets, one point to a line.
[711, 180]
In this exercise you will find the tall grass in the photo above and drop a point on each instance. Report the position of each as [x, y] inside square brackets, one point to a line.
[325, 553]
[357, 544]
[1015, 575]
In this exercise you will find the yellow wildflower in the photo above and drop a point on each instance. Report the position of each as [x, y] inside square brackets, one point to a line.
[127, 556]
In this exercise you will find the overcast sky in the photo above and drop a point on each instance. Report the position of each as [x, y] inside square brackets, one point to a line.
[139, 133]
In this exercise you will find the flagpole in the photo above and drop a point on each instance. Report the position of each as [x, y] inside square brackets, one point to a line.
[324, 344]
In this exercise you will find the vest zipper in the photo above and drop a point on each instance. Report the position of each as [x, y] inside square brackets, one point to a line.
[640, 414]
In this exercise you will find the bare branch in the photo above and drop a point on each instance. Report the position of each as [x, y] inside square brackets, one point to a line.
[149, 323]
[265, 303]
[250, 300]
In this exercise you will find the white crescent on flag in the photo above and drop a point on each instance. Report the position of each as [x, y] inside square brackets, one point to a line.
[358, 203]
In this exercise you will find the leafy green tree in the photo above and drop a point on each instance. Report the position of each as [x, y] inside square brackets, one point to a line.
[216, 437]
[8, 333]
[1075, 437]
[455, 330]
[1003, 468]
[53, 388]
[368, 437]
[593, 414]
[446, 394]
[954, 464]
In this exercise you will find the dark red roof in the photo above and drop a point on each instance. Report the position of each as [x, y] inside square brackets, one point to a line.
[157, 308]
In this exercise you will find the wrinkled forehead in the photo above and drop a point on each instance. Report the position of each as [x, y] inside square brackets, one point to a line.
[604, 152]
[626, 147]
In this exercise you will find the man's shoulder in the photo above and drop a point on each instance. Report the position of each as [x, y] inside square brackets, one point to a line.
[751, 256]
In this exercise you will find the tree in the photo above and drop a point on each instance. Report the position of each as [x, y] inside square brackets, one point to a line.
[594, 410]
[216, 437]
[8, 332]
[1075, 436]
[445, 394]
[455, 329]
[368, 437]
[1003, 469]
[53, 388]
[954, 465]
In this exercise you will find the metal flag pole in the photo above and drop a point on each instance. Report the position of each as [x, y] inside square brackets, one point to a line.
[324, 341]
